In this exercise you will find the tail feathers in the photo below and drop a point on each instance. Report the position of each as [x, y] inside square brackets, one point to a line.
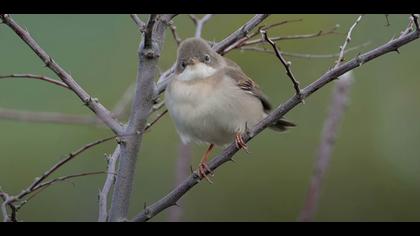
[282, 125]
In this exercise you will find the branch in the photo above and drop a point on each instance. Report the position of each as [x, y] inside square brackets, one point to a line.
[199, 23]
[239, 33]
[140, 24]
[348, 38]
[174, 33]
[304, 55]
[38, 181]
[149, 52]
[110, 179]
[171, 198]
[290, 37]
[328, 138]
[92, 103]
[37, 77]
[285, 63]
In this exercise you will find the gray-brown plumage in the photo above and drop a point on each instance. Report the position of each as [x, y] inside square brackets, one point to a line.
[211, 99]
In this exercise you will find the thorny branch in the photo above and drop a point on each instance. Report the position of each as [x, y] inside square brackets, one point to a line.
[171, 198]
[285, 63]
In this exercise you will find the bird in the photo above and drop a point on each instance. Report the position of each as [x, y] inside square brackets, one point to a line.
[212, 101]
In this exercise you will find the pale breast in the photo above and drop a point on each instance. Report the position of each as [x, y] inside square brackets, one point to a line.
[211, 110]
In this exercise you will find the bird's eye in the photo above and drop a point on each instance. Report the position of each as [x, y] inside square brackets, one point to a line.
[183, 65]
[207, 58]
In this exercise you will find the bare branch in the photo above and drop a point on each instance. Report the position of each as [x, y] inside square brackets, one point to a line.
[290, 37]
[171, 198]
[140, 24]
[328, 138]
[304, 55]
[37, 77]
[199, 23]
[44, 185]
[416, 20]
[149, 52]
[110, 179]
[37, 182]
[347, 41]
[285, 63]
[93, 103]
[240, 33]
[174, 33]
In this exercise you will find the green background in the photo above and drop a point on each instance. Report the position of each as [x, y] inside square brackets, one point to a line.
[374, 174]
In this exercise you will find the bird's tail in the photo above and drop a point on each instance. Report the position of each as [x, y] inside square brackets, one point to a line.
[282, 125]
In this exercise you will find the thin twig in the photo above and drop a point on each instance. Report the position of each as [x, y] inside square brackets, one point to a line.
[37, 77]
[347, 41]
[199, 23]
[91, 102]
[244, 40]
[34, 185]
[285, 63]
[290, 37]
[44, 185]
[415, 20]
[140, 24]
[304, 55]
[175, 35]
[110, 179]
[172, 197]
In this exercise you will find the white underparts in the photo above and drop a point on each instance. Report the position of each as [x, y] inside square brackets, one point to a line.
[197, 71]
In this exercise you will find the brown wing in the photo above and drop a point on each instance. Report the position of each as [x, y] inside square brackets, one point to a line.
[248, 85]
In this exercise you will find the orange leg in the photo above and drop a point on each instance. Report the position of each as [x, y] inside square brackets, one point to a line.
[203, 167]
[240, 142]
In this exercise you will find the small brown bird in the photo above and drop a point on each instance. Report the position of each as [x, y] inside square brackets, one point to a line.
[212, 101]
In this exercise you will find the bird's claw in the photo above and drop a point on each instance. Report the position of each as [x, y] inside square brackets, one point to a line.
[240, 143]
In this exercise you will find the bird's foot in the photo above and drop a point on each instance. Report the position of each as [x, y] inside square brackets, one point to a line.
[240, 142]
[202, 168]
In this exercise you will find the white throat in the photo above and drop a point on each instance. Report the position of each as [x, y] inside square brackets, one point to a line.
[197, 71]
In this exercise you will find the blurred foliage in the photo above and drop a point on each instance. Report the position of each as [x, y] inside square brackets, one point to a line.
[374, 174]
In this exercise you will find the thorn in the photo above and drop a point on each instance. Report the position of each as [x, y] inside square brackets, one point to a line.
[397, 50]
[176, 204]
[144, 206]
[87, 101]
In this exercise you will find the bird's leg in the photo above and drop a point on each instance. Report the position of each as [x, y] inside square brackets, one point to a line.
[240, 142]
[203, 167]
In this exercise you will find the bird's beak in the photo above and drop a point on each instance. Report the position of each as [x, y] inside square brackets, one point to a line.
[192, 61]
